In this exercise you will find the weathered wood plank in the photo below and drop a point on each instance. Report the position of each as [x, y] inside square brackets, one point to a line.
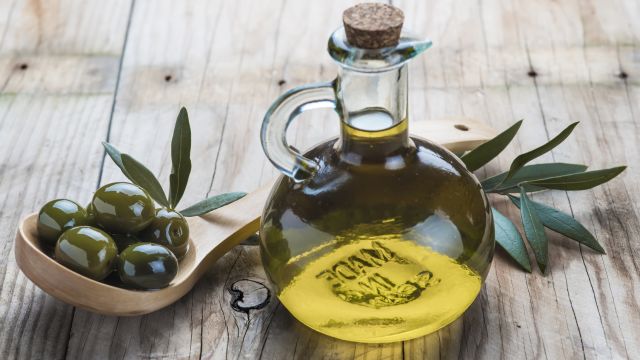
[34, 323]
[488, 80]
[200, 71]
[546, 61]
[221, 78]
[58, 65]
[565, 314]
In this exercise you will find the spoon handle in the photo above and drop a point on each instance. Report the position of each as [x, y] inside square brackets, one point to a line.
[456, 134]
[218, 232]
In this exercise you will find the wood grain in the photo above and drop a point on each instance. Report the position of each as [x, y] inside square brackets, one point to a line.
[550, 62]
[58, 65]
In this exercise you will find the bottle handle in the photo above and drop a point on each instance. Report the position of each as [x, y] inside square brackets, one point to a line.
[282, 112]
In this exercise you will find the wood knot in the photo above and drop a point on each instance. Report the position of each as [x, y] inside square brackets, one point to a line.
[248, 295]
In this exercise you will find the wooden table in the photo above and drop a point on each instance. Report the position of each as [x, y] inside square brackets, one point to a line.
[75, 73]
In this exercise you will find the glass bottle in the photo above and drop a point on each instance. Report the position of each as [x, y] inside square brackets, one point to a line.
[375, 236]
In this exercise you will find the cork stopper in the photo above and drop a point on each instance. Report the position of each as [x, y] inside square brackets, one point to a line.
[373, 25]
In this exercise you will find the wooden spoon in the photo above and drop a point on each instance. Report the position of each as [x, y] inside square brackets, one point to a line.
[212, 235]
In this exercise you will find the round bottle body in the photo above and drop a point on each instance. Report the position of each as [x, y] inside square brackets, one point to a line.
[378, 249]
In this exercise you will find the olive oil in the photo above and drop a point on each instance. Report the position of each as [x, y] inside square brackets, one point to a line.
[375, 236]
[379, 290]
[389, 241]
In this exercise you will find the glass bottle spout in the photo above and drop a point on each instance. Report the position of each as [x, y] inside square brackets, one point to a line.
[375, 60]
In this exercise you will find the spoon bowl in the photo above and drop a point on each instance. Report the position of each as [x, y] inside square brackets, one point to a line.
[211, 236]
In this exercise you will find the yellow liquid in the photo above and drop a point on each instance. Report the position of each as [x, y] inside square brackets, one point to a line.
[380, 289]
[390, 240]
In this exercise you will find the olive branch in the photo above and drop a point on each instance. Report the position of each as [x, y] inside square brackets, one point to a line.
[180, 171]
[522, 179]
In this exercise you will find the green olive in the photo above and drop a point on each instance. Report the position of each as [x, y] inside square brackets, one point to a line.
[56, 217]
[91, 216]
[123, 241]
[169, 228]
[122, 208]
[88, 251]
[147, 266]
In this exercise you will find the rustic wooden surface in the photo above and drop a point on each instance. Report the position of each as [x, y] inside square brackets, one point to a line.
[76, 72]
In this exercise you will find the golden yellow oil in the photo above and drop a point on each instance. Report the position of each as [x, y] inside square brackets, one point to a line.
[391, 239]
[380, 289]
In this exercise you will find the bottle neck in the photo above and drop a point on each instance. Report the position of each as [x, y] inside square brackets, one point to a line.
[373, 109]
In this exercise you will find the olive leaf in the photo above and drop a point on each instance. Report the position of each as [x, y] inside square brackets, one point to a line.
[579, 181]
[509, 238]
[180, 171]
[211, 203]
[527, 173]
[562, 223]
[484, 153]
[523, 159]
[144, 178]
[116, 156]
[534, 231]
[180, 158]
[522, 178]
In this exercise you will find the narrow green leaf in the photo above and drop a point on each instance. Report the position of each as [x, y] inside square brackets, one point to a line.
[180, 158]
[144, 178]
[527, 173]
[562, 223]
[522, 159]
[534, 231]
[211, 203]
[484, 153]
[579, 181]
[508, 237]
[115, 155]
